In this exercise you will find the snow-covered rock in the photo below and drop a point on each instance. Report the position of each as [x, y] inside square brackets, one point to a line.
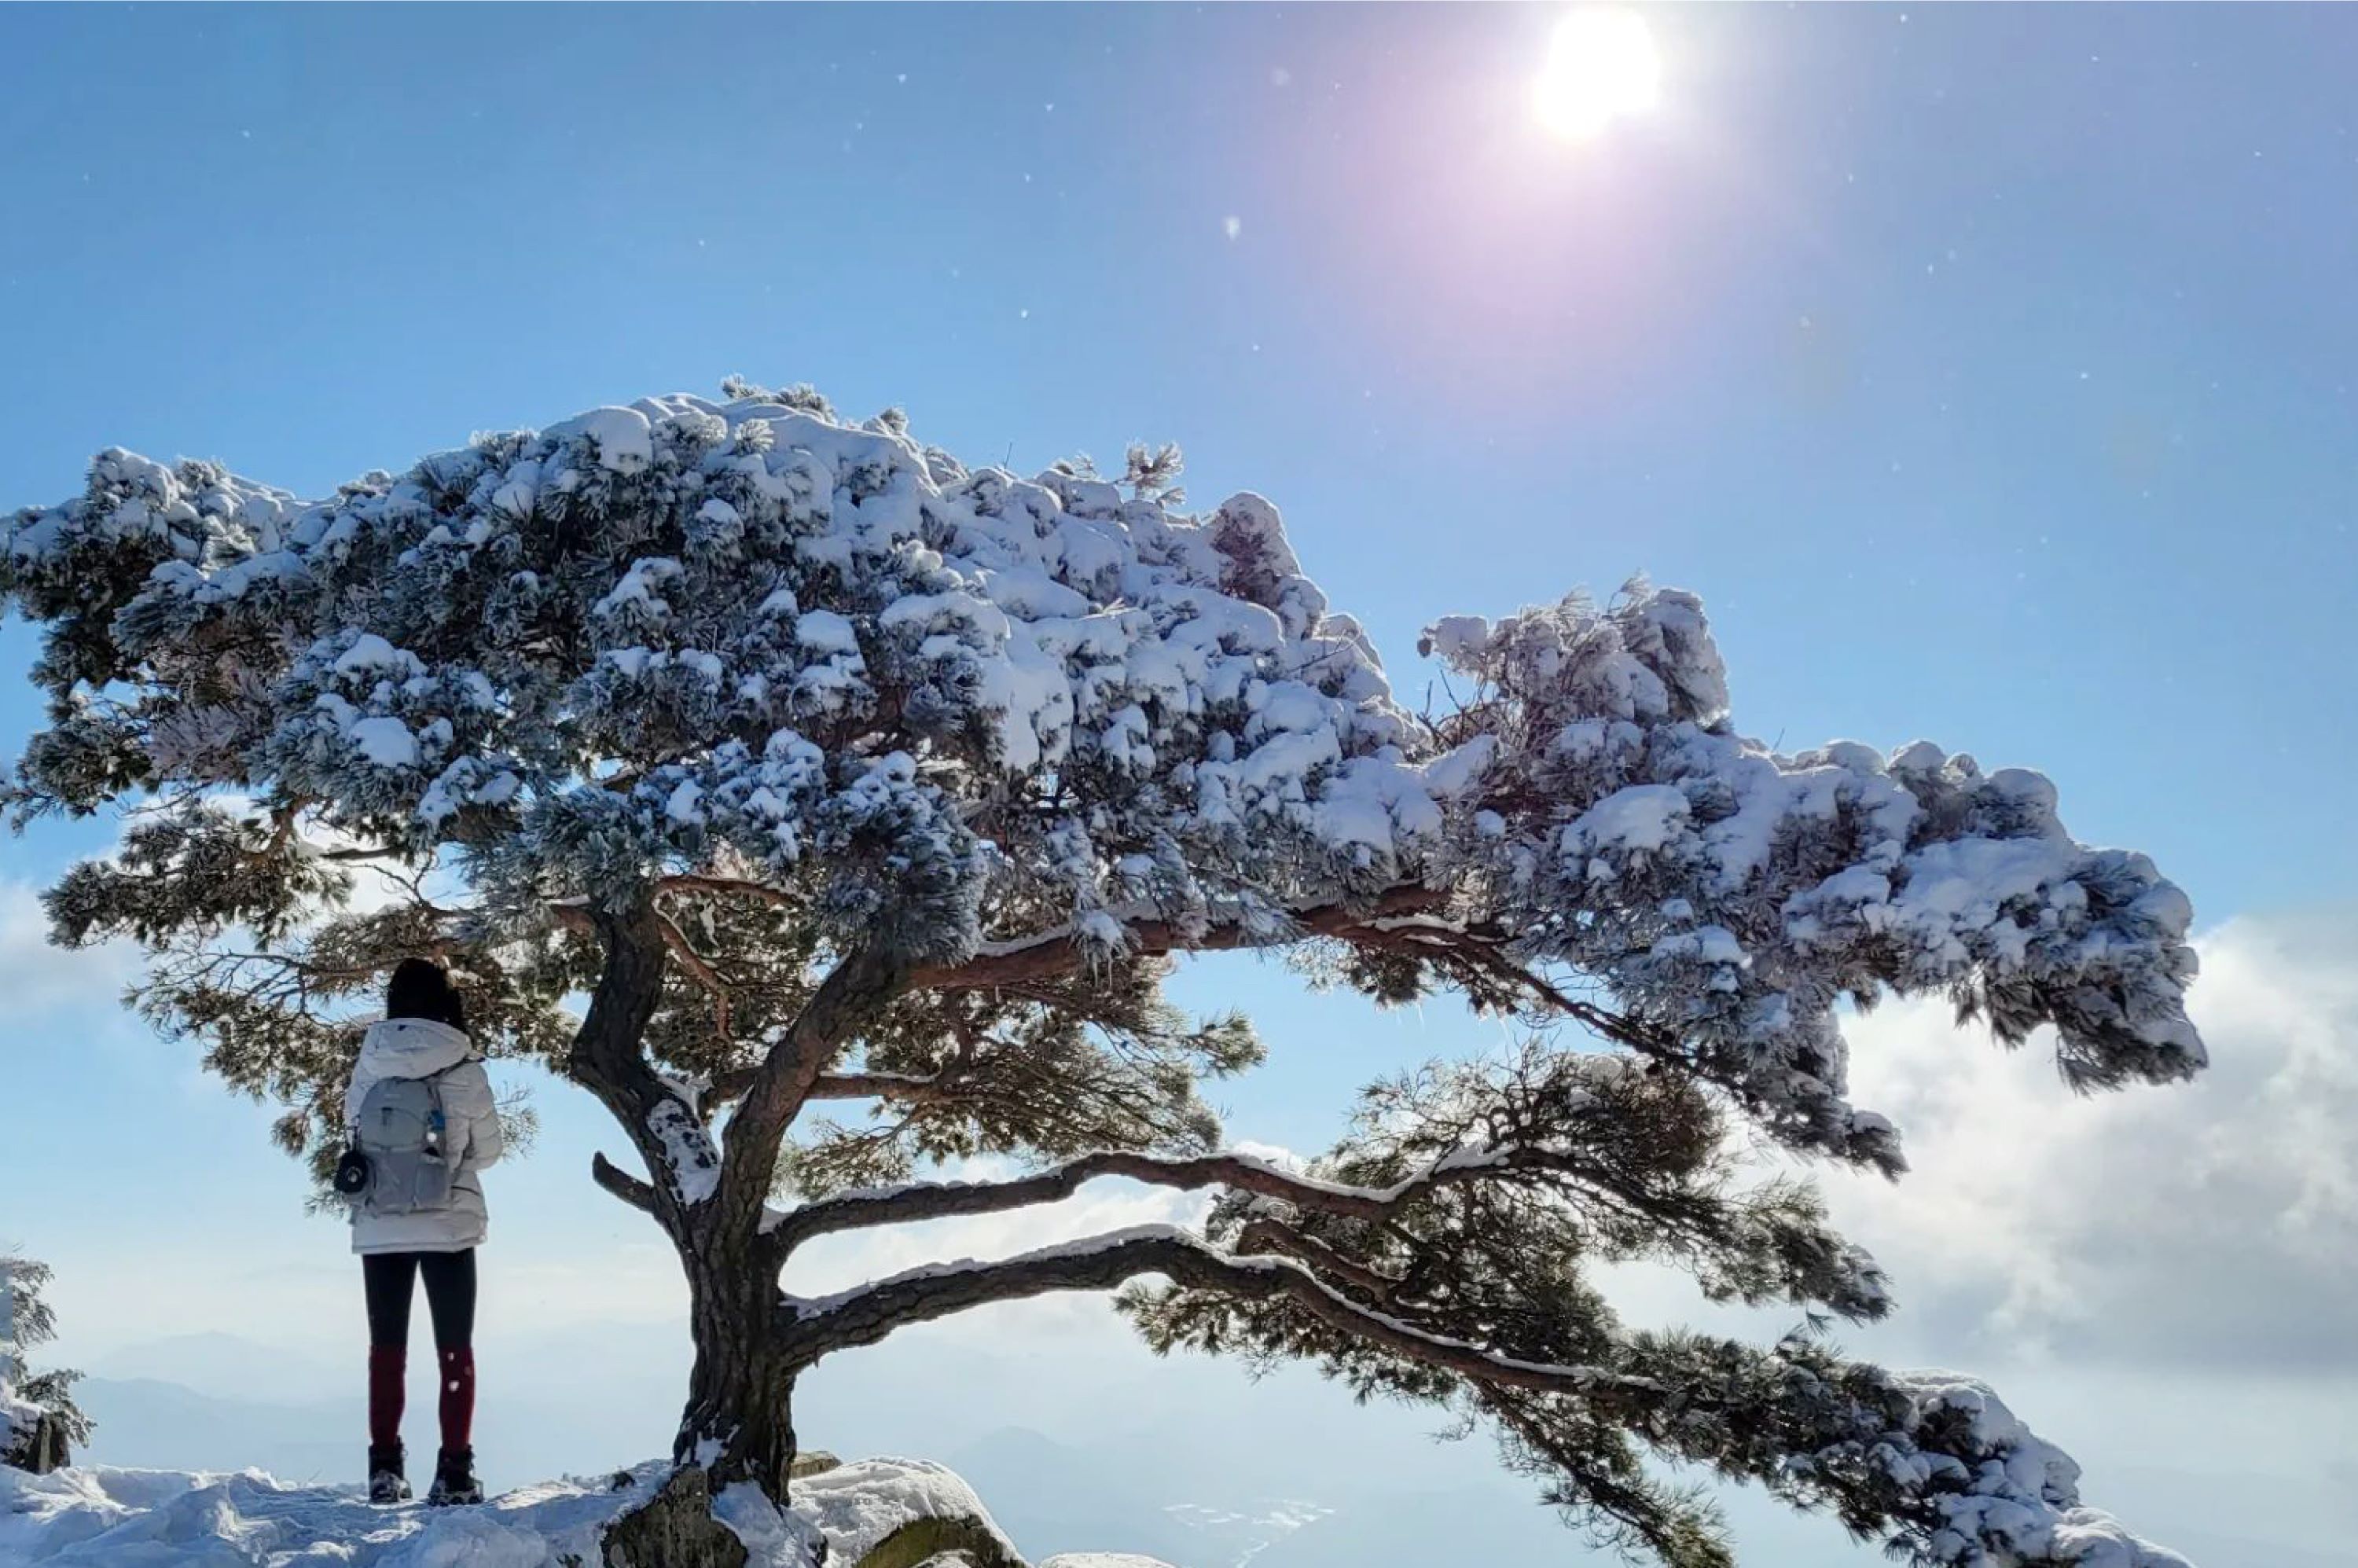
[31, 1438]
[862, 1505]
[169, 1519]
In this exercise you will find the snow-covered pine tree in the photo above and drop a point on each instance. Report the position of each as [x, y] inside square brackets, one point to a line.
[40, 1421]
[837, 774]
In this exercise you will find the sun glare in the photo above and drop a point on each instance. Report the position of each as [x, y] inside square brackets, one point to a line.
[1601, 65]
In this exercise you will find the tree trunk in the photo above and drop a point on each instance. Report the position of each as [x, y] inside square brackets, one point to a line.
[739, 1423]
[737, 1426]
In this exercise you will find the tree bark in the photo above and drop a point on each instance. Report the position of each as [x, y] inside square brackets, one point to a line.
[739, 1423]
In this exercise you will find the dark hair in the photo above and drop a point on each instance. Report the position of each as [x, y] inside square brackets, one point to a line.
[421, 988]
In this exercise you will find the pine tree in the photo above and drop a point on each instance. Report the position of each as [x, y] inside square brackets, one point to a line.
[839, 774]
[39, 1419]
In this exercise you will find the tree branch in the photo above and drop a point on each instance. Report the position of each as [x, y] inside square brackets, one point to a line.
[728, 1086]
[942, 1200]
[1264, 1235]
[881, 1086]
[868, 1315]
[621, 1183]
[606, 1058]
[860, 982]
[698, 971]
[1052, 953]
[1382, 924]
[725, 887]
[732, 1083]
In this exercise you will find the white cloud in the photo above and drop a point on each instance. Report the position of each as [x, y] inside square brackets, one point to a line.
[2214, 1223]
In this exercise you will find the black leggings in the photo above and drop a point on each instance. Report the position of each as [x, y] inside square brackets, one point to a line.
[449, 1295]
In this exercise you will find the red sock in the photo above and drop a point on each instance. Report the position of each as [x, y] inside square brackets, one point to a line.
[386, 1364]
[458, 1398]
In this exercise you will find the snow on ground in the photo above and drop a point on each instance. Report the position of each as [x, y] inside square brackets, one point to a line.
[163, 1519]
[169, 1519]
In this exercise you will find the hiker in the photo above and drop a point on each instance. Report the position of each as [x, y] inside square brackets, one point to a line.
[422, 1126]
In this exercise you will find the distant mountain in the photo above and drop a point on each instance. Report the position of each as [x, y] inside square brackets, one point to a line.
[224, 1365]
[217, 1402]
[148, 1424]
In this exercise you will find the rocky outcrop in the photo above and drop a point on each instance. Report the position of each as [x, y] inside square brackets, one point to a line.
[941, 1543]
[899, 1513]
[673, 1529]
[886, 1514]
[33, 1439]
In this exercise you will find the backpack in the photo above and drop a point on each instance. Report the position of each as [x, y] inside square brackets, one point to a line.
[400, 1131]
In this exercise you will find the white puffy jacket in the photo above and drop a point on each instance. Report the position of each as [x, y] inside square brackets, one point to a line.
[419, 1048]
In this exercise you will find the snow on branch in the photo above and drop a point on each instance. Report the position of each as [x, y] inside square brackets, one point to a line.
[1002, 728]
[1244, 1173]
[1065, 947]
[872, 1312]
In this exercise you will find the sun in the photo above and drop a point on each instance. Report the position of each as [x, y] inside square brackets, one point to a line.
[1601, 64]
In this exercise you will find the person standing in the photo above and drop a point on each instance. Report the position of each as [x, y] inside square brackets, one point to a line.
[423, 1125]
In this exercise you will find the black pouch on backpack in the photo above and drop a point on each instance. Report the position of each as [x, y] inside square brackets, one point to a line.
[352, 1173]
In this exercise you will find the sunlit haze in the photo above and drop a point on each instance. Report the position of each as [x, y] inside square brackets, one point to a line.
[1601, 64]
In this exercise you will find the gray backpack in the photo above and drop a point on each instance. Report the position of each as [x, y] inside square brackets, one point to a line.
[402, 1132]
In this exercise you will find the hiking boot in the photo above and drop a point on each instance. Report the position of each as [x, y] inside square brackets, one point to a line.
[454, 1479]
[386, 1484]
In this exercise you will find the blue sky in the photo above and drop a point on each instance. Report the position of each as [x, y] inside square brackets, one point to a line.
[1988, 371]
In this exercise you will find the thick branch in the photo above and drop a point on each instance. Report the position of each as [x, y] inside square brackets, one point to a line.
[359, 852]
[606, 1057]
[861, 982]
[1389, 925]
[1052, 953]
[905, 1086]
[727, 1086]
[869, 1315]
[943, 1200]
[730, 1084]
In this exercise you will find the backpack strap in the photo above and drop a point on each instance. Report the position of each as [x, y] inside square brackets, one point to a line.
[433, 1082]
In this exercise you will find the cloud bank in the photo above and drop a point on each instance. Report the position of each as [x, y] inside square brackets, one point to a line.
[2207, 1226]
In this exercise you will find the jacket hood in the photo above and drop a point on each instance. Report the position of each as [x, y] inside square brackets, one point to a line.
[412, 1048]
